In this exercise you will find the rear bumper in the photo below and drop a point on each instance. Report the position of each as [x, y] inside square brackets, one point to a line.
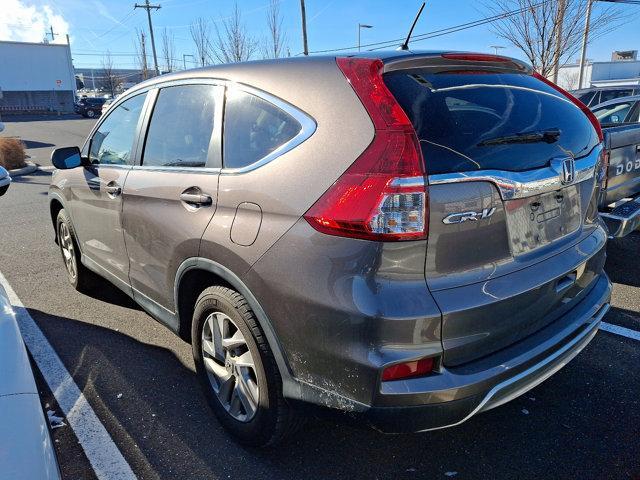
[623, 219]
[495, 379]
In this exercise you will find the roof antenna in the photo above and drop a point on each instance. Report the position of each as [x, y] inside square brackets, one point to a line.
[405, 45]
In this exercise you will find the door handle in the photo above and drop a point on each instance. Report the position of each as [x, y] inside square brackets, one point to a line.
[199, 199]
[113, 189]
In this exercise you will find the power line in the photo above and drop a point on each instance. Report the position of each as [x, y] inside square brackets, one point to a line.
[437, 33]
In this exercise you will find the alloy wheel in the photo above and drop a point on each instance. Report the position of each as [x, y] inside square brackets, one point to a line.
[230, 366]
[68, 250]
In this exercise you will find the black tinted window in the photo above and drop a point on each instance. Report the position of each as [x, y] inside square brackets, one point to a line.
[254, 128]
[181, 127]
[475, 121]
[113, 141]
[606, 95]
[586, 97]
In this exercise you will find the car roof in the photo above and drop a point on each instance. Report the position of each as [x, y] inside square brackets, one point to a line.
[264, 66]
[595, 89]
[613, 101]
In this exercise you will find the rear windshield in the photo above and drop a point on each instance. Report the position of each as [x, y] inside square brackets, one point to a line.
[476, 120]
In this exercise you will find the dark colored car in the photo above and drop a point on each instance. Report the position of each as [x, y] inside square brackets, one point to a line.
[408, 238]
[596, 95]
[618, 111]
[89, 106]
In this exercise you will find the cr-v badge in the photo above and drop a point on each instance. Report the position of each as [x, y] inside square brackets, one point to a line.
[465, 216]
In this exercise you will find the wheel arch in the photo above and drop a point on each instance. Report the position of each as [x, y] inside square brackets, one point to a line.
[55, 205]
[197, 273]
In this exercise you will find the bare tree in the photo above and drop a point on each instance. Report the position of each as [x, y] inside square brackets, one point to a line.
[274, 44]
[168, 50]
[534, 28]
[569, 80]
[233, 43]
[141, 53]
[201, 35]
[110, 80]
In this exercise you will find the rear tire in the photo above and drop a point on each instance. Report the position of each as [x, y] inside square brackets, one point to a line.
[91, 113]
[237, 369]
[79, 276]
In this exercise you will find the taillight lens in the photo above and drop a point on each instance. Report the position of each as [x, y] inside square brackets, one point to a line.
[415, 368]
[592, 118]
[382, 195]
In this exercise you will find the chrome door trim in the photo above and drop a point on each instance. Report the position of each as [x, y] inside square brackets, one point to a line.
[512, 185]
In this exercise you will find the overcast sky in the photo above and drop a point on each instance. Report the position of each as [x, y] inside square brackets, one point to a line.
[98, 26]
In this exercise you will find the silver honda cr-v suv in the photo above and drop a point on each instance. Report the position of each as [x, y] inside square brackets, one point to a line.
[409, 238]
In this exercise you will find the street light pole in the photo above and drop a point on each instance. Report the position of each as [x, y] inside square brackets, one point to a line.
[585, 38]
[496, 48]
[184, 61]
[360, 27]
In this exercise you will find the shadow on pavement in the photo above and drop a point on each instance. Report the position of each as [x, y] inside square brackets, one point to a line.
[149, 399]
[35, 144]
[621, 255]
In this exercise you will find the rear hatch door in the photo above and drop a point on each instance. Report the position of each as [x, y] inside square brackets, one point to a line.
[511, 184]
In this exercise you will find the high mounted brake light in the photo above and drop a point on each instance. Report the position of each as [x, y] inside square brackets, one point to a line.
[476, 57]
[382, 195]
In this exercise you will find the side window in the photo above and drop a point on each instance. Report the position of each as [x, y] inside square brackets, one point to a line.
[613, 113]
[181, 127]
[586, 97]
[112, 143]
[253, 128]
[611, 94]
[635, 114]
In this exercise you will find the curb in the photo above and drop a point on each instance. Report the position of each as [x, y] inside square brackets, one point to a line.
[30, 168]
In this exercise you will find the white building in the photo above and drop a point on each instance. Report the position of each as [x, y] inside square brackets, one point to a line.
[36, 77]
[601, 74]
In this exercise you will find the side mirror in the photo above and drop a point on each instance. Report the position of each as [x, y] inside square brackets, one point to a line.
[66, 158]
[5, 180]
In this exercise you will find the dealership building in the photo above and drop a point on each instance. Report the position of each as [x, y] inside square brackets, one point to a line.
[36, 77]
[623, 69]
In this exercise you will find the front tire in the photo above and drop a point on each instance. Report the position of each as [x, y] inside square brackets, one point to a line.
[237, 370]
[91, 113]
[81, 278]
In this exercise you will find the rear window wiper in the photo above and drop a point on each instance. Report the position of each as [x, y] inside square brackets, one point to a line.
[548, 136]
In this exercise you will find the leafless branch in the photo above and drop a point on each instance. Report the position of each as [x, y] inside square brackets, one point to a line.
[141, 53]
[201, 35]
[168, 50]
[274, 43]
[534, 29]
[109, 78]
[233, 43]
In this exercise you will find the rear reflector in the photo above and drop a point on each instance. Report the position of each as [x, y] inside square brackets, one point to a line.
[382, 195]
[415, 368]
[592, 118]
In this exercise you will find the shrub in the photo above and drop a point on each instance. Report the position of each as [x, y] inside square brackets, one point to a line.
[12, 154]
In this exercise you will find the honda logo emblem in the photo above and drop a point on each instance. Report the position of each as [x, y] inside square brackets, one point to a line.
[568, 170]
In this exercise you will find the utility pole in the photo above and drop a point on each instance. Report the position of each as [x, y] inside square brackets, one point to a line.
[585, 39]
[184, 59]
[496, 48]
[304, 28]
[143, 54]
[50, 32]
[560, 23]
[148, 7]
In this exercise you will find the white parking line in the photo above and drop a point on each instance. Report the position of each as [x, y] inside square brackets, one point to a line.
[107, 461]
[618, 330]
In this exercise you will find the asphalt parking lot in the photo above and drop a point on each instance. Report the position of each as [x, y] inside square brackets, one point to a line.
[584, 422]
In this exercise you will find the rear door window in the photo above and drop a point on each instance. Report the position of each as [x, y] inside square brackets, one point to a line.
[586, 97]
[253, 129]
[181, 127]
[477, 120]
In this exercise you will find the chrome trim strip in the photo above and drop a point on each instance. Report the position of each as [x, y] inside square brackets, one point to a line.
[173, 169]
[408, 182]
[586, 336]
[513, 185]
[307, 124]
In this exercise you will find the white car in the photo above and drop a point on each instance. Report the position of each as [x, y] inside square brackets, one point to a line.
[26, 450]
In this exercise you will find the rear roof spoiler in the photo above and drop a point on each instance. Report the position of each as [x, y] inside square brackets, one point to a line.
[457, 61]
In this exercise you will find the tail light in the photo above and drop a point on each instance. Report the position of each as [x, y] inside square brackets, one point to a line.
[592, 118]
[382, 195]
[415, 368]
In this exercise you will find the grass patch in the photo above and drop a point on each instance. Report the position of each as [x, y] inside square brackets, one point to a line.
[12, 154]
